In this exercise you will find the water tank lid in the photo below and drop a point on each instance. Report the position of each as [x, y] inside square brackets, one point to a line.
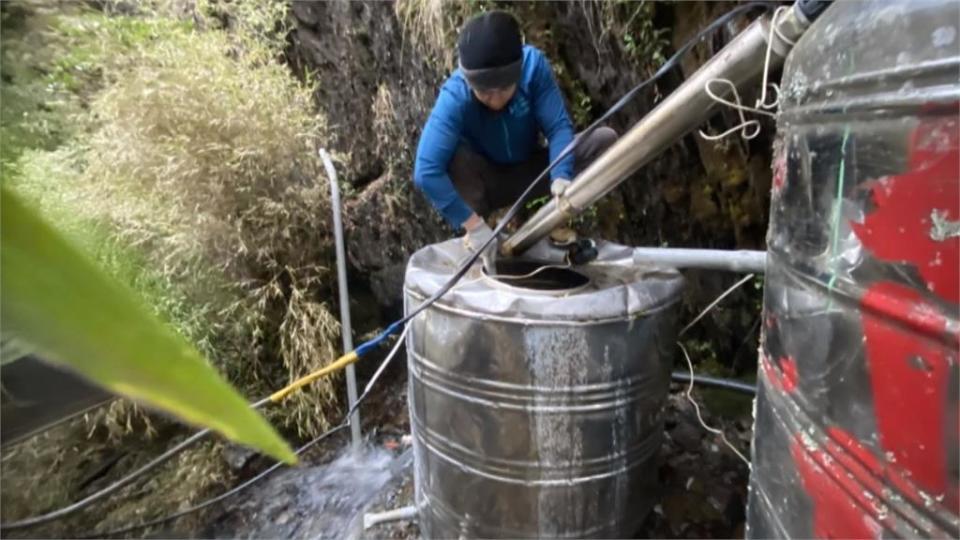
[617, 289]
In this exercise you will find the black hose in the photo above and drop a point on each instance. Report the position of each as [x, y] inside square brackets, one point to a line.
[108, 490]
[213, 500]
[717, 382]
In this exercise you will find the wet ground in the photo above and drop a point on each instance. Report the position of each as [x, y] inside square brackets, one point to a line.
[325, 501]
[704, 485]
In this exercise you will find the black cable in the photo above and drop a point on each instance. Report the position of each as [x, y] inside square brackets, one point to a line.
[213, 500]
[112, 488]
[363, 349]
[706, 380]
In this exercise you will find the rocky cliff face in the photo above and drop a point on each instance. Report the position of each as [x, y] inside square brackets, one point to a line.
[377, 94]
[377, 87]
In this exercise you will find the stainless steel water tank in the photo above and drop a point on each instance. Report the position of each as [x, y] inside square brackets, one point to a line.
[536, 404]
[856, 430]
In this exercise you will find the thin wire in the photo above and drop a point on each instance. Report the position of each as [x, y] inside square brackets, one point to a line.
[744, 124]
[762, 100]
[222, 496]
[742, 127]
[530, 274]
[776, 29]
[738, 105]
[760, 106]
[689, 395]
[838, 204]
[696, 407]
[213, 500]
[720, 298]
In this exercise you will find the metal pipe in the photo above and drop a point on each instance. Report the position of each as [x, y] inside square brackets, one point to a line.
[743, 261]
[740, 62]
[706, 380]
[407, 512]
[345, 328]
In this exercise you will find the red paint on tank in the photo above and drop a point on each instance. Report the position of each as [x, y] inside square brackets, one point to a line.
[783, 378]
[901, 227]
[779, 172]
[901, 305]
[909, 346]
[868, 468]
[840, 509]
[910, 381]
[845, 480]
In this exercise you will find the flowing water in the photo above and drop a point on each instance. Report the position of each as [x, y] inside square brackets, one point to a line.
[326, 501]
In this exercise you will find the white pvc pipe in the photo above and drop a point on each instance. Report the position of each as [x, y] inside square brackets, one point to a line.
[708, 259]
[345, 328]
[407, 512]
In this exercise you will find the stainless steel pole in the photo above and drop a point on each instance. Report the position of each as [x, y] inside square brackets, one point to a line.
[345, 328]
[740, 62]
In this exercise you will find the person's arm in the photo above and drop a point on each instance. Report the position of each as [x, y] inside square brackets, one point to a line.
[552, 116]
[438, 142]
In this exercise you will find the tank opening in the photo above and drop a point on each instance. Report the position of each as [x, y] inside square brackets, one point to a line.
[536, 275]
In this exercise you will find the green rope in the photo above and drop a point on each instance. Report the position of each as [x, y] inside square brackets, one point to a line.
[838, 202]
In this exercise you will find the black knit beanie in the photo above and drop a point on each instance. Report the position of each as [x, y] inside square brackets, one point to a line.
[491, 50]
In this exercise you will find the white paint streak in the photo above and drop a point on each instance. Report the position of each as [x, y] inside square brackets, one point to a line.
[559, 357]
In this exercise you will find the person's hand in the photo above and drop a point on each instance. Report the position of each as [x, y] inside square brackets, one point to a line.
[477, 236]
[473, 221]
[474, 240]
[559, 186]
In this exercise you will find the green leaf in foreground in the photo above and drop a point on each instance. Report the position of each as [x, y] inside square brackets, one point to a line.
[58, 301]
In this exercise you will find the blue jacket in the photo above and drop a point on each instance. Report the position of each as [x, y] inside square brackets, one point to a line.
[507, 136]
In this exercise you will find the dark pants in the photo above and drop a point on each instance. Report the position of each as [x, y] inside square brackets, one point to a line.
[488, 186]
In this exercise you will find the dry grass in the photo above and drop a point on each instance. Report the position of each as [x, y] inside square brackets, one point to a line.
[390, 131]
[197, 175]
[431, 27]
[206, 151]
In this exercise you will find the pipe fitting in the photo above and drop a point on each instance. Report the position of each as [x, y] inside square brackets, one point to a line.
[376, 518]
